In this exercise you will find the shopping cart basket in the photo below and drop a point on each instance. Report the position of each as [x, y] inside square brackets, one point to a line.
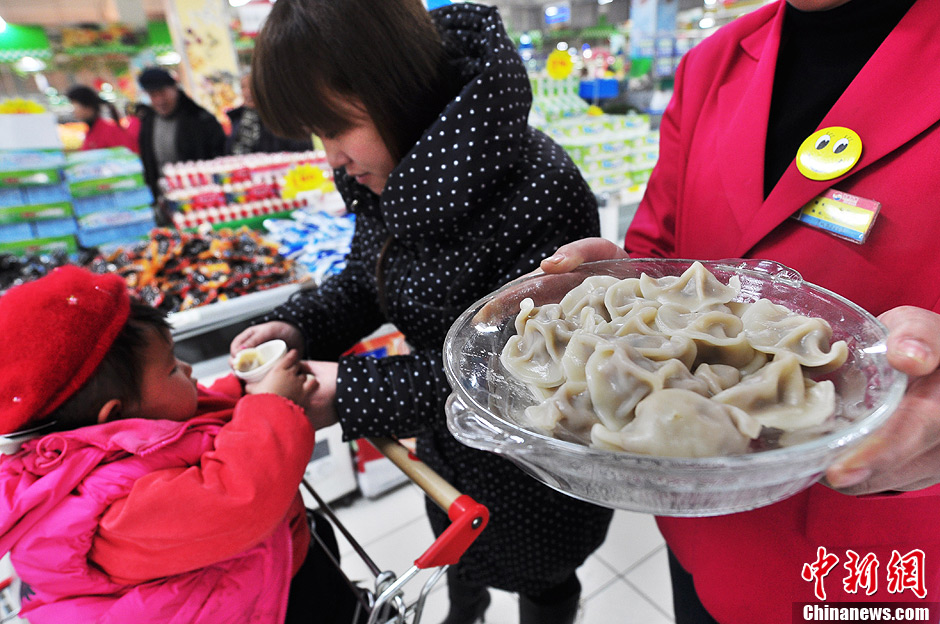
[386, 603]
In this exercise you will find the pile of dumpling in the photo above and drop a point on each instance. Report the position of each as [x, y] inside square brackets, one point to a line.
[671, 366]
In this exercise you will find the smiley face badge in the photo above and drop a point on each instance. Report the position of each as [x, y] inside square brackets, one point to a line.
[828, 153]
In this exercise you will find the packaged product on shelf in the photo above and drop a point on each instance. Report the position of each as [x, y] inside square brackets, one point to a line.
[177, 271]
[35, 203]
[317, 240]
[241, 189]
[111, 202]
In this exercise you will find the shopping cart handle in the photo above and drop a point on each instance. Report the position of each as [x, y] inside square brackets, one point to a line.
[434, 485]
[468, 519]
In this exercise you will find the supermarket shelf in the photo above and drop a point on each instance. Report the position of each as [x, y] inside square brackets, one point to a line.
[204, 319]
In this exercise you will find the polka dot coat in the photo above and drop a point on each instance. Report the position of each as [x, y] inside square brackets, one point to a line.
[479, 200]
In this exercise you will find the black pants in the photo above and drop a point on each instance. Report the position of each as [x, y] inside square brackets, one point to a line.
[319, 592]
[685, 601]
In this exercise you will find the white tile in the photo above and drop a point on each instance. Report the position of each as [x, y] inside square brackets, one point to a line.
[631, 537]
[621, 604]
[395, 551]
[594, 575]
[651, 578]
[368, 520]
[503, 609]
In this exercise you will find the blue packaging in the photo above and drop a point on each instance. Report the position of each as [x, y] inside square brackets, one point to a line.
[55, 227]
[48, 194]
[132, 199]
[13, 232]
[10, 197]
[96, 203]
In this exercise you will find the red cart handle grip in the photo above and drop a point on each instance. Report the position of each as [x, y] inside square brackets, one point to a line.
[468, 519]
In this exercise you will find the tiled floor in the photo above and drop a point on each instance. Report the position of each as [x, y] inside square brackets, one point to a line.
[625, 582]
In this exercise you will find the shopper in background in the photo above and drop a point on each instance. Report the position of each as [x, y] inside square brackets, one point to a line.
[102, 132]
[424, 120]
[725, 186]
[149, 499]
[249, 135]
[177, 130]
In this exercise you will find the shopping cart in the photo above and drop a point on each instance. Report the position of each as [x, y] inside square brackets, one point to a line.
[386, 603]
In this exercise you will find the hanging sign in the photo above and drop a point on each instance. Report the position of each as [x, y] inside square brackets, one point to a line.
[559, 64]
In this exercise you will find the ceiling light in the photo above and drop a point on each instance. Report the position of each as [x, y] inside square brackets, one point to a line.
[29, 64]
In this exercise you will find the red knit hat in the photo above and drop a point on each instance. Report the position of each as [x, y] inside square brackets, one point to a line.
[54, 332]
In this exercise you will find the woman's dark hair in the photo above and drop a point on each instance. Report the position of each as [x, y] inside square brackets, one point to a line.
[119, 374]
[313, 56]
[86, 96]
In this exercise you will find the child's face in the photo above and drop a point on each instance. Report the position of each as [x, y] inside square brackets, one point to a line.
[167, 389]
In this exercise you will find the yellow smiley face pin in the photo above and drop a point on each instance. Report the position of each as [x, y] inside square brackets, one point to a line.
[828, 153]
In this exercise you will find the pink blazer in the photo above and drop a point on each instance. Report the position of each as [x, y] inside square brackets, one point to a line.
[705, 200]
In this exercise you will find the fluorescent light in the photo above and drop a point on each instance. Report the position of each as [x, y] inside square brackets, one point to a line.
[238, 3]
[706, 22]
[3, 25]
[604, 1]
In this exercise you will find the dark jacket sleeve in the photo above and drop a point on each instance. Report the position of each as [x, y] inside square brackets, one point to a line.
[345, 307]
[404, 395]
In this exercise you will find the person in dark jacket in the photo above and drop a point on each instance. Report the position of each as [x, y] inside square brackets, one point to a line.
[423, 117]
[249, 135]
[176, 130]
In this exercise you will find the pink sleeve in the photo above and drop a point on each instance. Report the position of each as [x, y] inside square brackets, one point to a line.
[228, 386]
[181, 519]
[652, 231]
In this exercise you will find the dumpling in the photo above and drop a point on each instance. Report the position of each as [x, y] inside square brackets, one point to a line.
[534, 354]
[617, 379]
[590, 293]
[680, 423]
[623, 297]
[660, 347]
[695, 289]
[717, 334]
[640, 320]
[774, 329]
[567, 411]
[717, 377]
[778, 395]
[580, 347]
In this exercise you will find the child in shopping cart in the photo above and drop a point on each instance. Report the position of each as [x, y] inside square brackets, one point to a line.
[147, 498]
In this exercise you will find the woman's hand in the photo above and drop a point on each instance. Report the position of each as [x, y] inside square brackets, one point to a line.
[570, 256]
[321, 408]
[904, 454]
[290, 378]
[272, 330]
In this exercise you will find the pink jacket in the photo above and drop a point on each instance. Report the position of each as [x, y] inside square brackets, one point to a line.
[107, 133]
[705, 200]
[160, 521]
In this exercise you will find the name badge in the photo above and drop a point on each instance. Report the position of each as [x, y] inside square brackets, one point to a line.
[841, 214]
